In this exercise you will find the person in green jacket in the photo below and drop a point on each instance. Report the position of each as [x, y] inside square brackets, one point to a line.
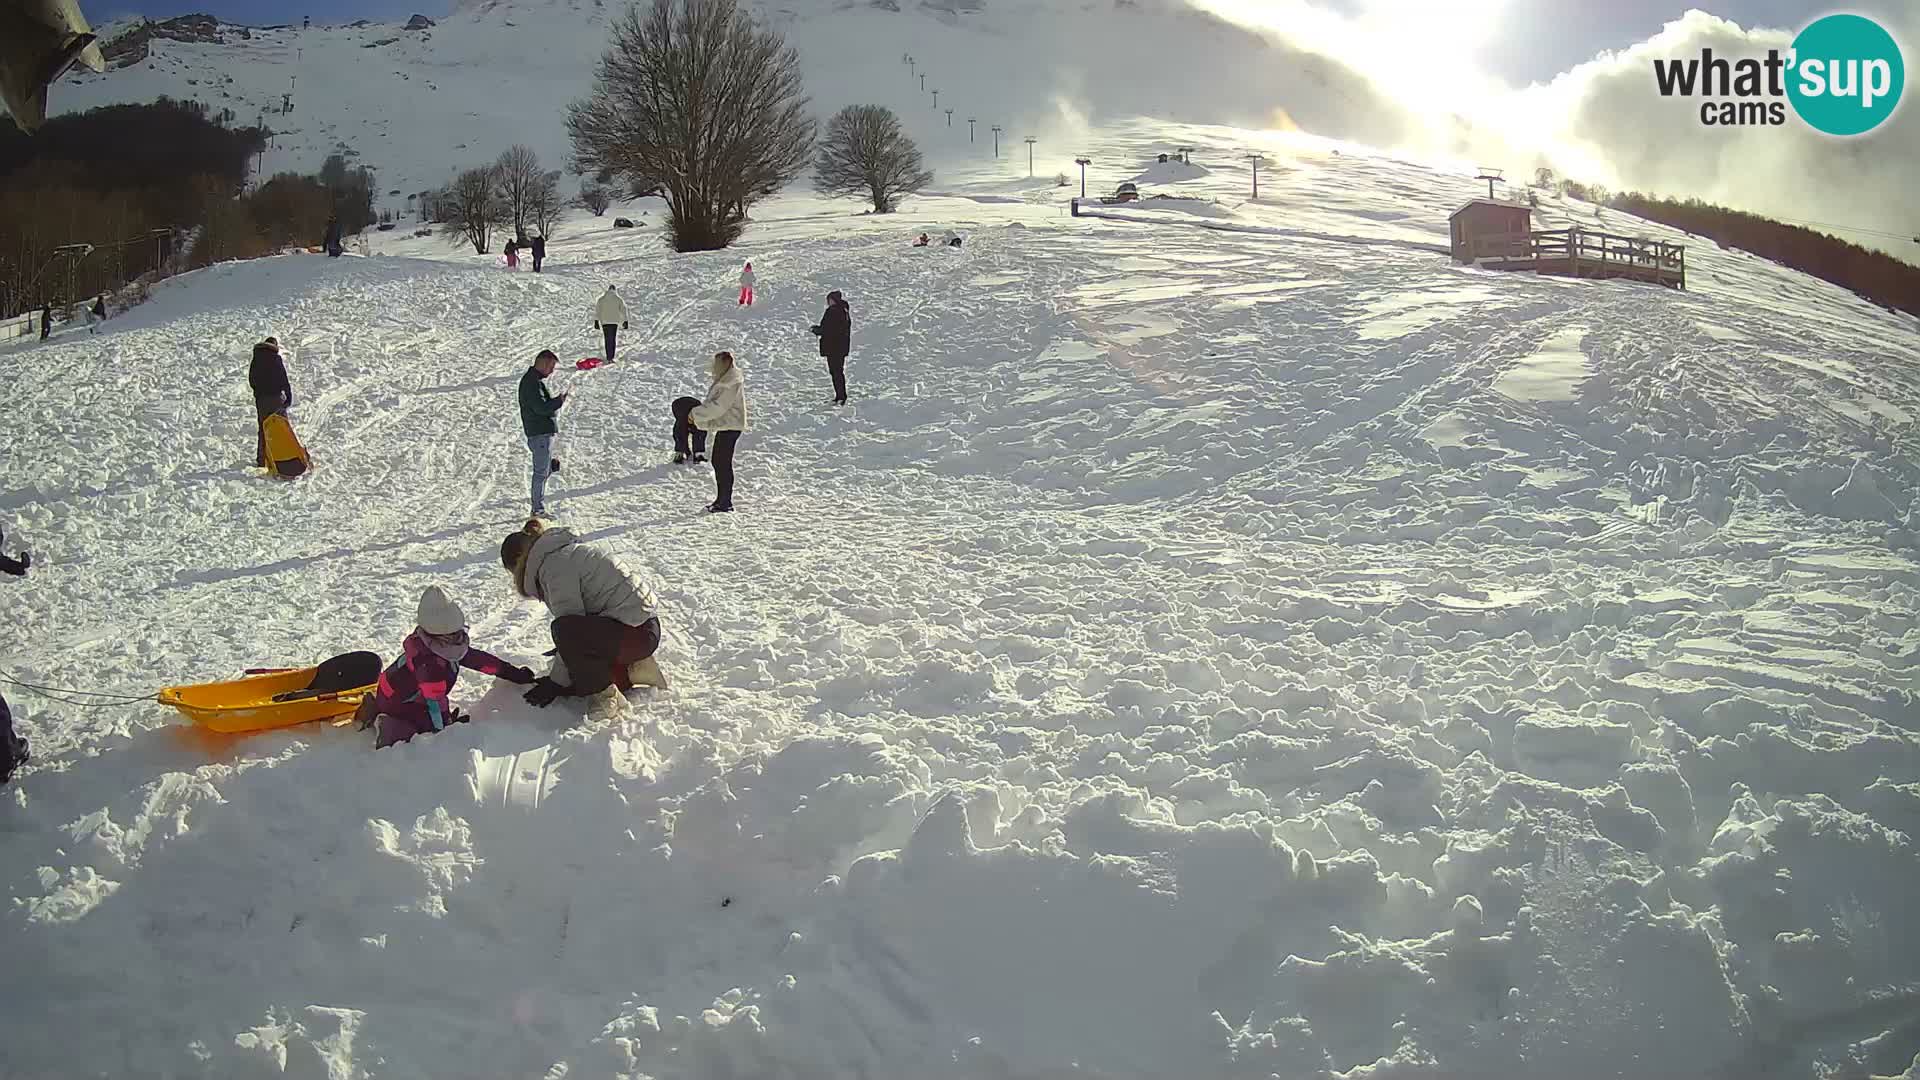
[537, 411]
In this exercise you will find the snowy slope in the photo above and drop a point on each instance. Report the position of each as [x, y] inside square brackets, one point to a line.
[1229, 642]
[416, 105]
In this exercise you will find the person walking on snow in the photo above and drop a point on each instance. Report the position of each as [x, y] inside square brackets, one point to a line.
[746, 286]
[538, 408]
[97, 314]
[46, 319]
[724, 413]
[13, 748]
[610, 315]
[413, 696]
[272, 393]
[539, 247]
[835, 331]
[513, 255]
[332, 241]
[605, 629]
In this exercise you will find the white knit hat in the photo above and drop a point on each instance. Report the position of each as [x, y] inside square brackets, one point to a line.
[438, 613]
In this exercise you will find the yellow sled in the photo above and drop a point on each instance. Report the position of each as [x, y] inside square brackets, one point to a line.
[286, 458]
[279, 699]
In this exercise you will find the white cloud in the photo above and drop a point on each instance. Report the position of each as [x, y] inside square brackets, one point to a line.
[1604, 121]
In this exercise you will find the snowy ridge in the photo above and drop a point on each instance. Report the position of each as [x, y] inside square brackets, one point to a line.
[1196, 653]
[417, 105]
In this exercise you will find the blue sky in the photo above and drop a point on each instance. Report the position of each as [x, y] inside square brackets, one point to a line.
[267, 12]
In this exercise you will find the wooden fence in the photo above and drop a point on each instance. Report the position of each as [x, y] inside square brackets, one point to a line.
[1583, 253]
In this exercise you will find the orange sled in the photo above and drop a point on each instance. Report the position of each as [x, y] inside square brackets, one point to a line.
[279, 699]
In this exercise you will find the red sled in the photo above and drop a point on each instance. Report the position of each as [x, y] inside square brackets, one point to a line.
[588, 364]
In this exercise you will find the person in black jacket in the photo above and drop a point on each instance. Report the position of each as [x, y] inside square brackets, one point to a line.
[13, 748]
[539, 246]
[689, 442]
[835, 332]
[332, 241]
[272, 393]
[46, 319]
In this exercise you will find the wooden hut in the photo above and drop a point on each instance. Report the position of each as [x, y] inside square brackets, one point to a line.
[1491, 230]
[1498, 235]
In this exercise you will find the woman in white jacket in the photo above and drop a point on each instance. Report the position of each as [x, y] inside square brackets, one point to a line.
[724, 415]
[605, 630]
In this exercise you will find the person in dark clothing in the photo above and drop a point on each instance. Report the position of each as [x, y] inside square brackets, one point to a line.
[835, 332]
[513, 254]
[46, 319]
[96, 314]
[689, 442]
[13, 748]
[539, 246]
[272, 393]
[332, 241]
[538, 408]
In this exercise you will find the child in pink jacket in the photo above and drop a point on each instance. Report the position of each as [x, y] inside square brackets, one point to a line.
[746, 286]
[413, 696]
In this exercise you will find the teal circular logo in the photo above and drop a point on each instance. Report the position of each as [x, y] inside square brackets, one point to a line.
[1845, 75]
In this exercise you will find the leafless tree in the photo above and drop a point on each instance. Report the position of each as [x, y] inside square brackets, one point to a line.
[595, 198]
[866, 154]
[544, 204]
[519, 176]
[697, 102]
[474, 208]
[1543, 177]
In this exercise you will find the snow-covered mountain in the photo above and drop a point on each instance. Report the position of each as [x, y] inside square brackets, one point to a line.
[415, 104]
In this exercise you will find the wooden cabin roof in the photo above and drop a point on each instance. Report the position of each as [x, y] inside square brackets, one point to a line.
[1503, 204]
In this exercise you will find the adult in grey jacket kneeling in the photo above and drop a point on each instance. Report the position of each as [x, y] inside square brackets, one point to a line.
[605, 631]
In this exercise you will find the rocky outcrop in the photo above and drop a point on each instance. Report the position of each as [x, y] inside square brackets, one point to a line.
[418, 22]
[136, 44]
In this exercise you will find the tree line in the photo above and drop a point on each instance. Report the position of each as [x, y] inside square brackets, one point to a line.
[1873, 275]
[112, 177]
[137, 182]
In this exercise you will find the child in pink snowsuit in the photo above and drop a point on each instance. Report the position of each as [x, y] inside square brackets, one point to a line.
[746, 286]
[412, 697]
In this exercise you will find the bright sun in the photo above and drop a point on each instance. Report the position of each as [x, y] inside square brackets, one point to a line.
[1422, 53]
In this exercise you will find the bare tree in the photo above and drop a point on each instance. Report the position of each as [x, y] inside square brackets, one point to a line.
[519, 175]
[474, 208]
[544, 204]
[595, 198]
[695, 101]
[866, 154]
[1543, 177]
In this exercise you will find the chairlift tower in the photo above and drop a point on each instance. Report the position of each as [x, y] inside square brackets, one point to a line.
[1030, 141]
[996, 140]
[1256, 158]
[1491, 176]
[1083, 162]
[949, 117]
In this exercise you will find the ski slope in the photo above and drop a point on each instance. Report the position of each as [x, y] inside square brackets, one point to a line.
[1221, 640]
[417, 106]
